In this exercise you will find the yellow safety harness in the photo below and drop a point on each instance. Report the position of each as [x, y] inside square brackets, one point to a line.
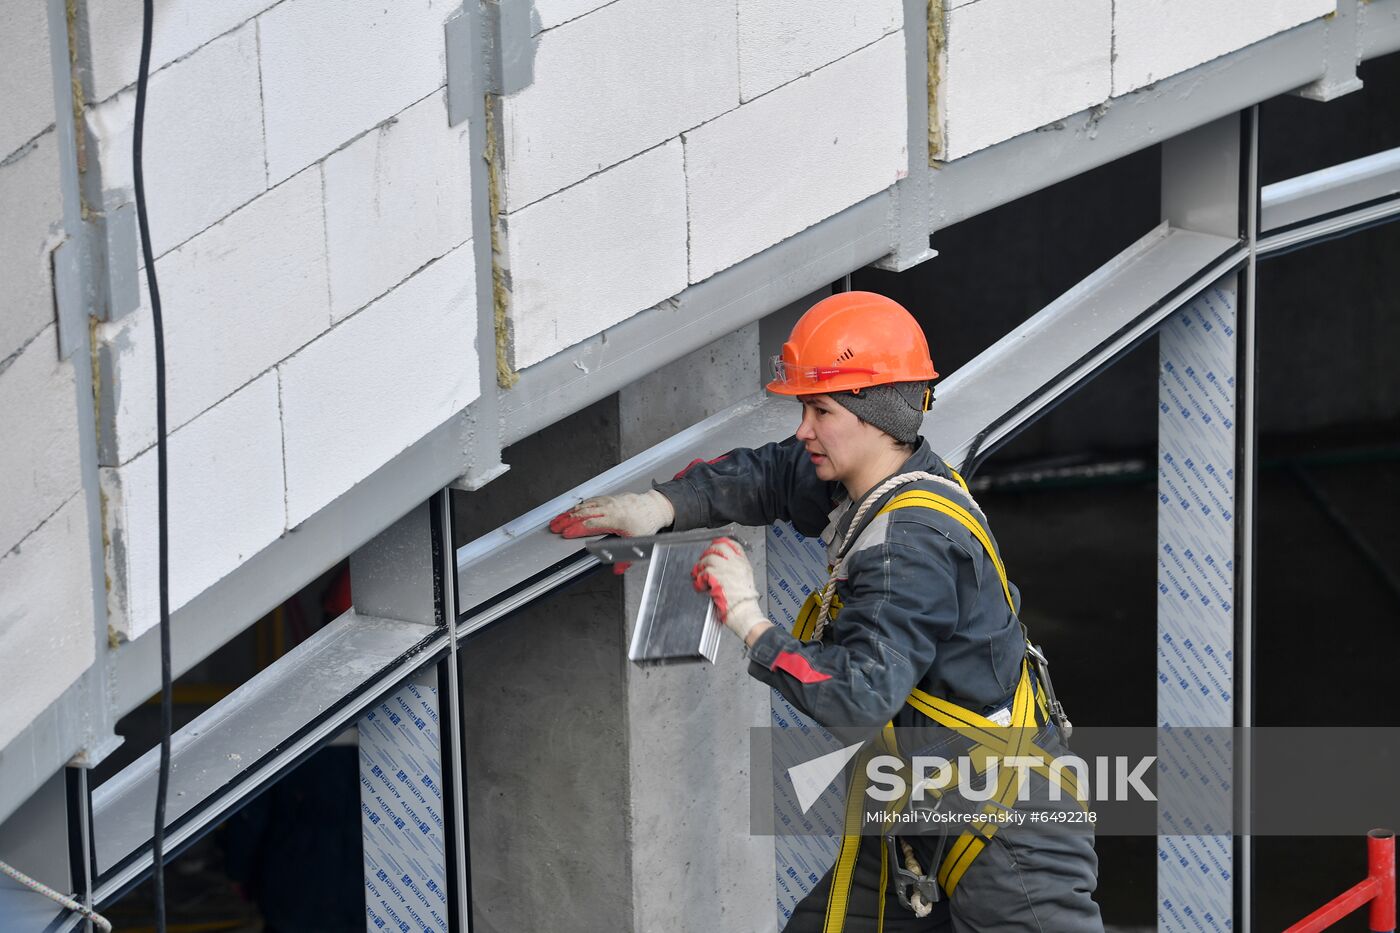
[989, 739]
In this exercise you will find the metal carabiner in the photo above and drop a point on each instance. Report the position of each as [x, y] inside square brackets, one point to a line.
[911, 881]
[1056, 708]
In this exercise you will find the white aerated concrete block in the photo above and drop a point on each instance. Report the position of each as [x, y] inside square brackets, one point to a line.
[597, 253]
[203, 148]
[1012, 66]
[794, 157]
[31, 206]
[226, 503]
[180, 27]
[555, 12]
[39, 458]
[379, 381]
[615, 83]
[47, 636]
[237, 299]
[396, 198]
[1154, 39]
[25, 73]
[333, 69]
[781, 40]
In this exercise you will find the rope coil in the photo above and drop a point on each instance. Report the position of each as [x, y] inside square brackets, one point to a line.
[829, 590]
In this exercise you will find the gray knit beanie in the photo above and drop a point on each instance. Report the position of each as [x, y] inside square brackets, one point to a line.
[895, 408]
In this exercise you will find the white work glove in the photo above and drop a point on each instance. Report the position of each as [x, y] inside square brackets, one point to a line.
[628, 514]
[724, 570]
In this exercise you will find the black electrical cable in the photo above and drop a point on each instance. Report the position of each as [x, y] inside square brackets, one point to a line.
[162, 537]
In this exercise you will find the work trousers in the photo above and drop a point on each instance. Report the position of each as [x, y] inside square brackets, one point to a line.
[1022, 881]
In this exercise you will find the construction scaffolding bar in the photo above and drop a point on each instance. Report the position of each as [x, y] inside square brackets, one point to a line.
[1378, 890]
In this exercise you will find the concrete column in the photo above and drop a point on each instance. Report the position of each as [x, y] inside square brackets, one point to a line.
[695, 865]
[603, 796]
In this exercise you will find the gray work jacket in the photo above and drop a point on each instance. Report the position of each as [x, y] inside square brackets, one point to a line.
[921, 601]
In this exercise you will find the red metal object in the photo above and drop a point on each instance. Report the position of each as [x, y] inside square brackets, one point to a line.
[1378, 890]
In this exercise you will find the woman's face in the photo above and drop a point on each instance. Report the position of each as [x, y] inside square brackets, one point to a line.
[839, 443]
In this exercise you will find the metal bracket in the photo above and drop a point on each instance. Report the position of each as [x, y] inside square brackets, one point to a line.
[123, 260]
[909, 218]
[510, 56]
[620, 550]
[111, 292]
[490, 49]
[68, 296]
[1343, 52]
[94, 755]
[899, 261]
[472, 481]
[459, 36]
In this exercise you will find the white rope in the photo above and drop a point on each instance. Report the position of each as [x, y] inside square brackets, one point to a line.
[921, 907]
[102, 923]
[829, 591]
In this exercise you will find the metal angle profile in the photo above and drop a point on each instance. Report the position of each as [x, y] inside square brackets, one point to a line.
[1029, 370]
[257, 732]
[614, 550]
[1330, 191]
[676, 623]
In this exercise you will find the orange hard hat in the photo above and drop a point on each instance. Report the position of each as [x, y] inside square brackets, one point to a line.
[849, 342]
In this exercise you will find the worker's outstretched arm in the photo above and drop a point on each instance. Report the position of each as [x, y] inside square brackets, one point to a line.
[752, 487]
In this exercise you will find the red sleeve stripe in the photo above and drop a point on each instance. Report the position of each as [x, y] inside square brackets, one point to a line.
[697, 462]
[797, 666]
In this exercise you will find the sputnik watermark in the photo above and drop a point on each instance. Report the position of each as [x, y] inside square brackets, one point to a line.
[888, 779]
[1116, 778]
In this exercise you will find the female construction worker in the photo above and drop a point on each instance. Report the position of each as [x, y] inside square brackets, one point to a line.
[917, 627]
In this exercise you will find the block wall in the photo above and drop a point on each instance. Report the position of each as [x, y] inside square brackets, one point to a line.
[661, 143]
[47, 634]
[311, 216]
[311, 220]
[1007, 67]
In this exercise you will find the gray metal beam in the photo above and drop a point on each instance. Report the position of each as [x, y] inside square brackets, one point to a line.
[469, 61]
[80, 722]
[252, 735]
[1379, 28]
[1294, 237]
[979, 405]
[1330, 190]
[1031, 368]
[911, 193]
[1122, 125]
[1246, 507]
[284, 567]
[454, 757]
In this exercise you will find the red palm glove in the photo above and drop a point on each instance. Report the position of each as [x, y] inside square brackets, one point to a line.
[630, 515]
[724, 570]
